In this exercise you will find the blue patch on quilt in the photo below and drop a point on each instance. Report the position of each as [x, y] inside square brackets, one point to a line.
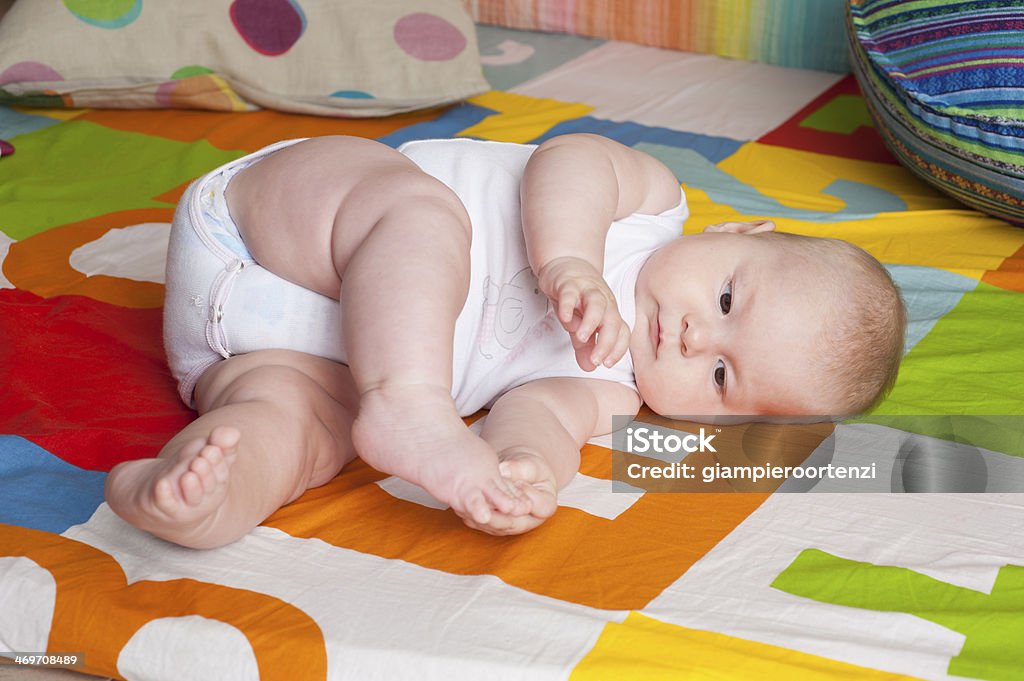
[713, 148]
[929, 294]
[14, 123]
[449, 124]
[40, 491]
[699, 172]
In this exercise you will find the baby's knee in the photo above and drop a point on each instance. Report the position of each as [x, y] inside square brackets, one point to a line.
[255, 377]
[282, 386]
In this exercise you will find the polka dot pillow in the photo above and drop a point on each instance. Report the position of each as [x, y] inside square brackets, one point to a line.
[944, 81]
[329, 57]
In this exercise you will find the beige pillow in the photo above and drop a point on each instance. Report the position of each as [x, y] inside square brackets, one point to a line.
[330, 57]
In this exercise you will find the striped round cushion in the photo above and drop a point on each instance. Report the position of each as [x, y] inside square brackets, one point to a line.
[944, 81]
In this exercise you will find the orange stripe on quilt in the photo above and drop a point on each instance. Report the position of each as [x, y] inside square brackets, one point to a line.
[1010, 274]
[667, 533]
[41, 263]
[83, 573]
[250, 131]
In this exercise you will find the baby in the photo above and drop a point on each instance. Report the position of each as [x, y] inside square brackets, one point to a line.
[332, 298]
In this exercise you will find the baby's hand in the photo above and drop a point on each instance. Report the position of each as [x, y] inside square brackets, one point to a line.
[587, 310]
[533, 478]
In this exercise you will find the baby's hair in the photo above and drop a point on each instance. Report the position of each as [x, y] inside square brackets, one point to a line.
[864, 332]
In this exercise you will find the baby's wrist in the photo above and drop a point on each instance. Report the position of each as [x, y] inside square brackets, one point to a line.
[553, 269]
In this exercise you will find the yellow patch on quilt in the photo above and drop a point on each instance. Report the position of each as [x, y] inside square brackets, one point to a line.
[797, 178]
[645, 649]
[932, 231]
[520, 118]
[56, 114]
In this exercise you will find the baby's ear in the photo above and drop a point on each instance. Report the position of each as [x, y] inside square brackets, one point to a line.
[755, 227]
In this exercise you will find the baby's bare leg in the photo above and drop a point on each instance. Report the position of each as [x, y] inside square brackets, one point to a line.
[398, 242]
[272, 424]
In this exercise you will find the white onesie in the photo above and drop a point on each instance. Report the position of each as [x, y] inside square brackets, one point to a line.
[506, 335]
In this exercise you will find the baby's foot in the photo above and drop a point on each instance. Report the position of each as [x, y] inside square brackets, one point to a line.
[532, 474]
[533, 477]
[414, 432]
[175, 496]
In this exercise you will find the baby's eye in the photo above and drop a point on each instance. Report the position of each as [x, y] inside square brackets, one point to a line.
[720, 374]
[725, 298]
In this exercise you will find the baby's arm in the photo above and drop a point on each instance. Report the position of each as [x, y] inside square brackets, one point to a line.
[573, 188]
[538, 430]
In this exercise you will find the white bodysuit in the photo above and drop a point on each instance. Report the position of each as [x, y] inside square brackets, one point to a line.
[220, 302]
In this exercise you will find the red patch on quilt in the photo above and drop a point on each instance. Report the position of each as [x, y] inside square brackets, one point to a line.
[86, 380]
[862, 144]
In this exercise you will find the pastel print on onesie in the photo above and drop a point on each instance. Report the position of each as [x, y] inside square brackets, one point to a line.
[510, 310]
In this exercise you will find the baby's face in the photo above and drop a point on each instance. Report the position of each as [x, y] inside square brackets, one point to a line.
[726, 324]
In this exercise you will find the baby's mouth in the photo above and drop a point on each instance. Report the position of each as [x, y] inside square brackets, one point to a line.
[656, 333]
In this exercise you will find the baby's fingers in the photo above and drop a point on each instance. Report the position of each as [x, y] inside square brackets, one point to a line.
[608, 338]
[594, 307]
[620, 342]
[583, 349]
[543, 502]
[503, 496]
[568, 299]
[502, 525]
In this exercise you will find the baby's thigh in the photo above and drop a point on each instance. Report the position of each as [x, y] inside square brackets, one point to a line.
[304, 210]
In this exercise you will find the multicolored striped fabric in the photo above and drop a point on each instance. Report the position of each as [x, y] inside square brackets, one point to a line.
[798, 33]
[944, 81]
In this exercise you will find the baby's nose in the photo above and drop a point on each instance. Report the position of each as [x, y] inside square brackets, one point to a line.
[693, 336]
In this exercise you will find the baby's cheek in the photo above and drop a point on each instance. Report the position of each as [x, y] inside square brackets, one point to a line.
[655, 388]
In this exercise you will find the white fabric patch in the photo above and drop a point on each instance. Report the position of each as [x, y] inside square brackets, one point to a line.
[199, 649]
[595, 496]
[5, 246]
[433, 625]
[695, 92]
[400, 489]
[28, 593]
[959, 539]
[137, 252]
[511, 52]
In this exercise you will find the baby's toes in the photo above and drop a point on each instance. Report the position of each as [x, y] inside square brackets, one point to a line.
[478, 508]
[211, 454]
[218, 465]
[520, 468]
[191, 488]
[204, 466]
[164, 497]
[225, 437]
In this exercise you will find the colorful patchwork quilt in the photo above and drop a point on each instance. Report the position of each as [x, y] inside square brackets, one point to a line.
[366, 577]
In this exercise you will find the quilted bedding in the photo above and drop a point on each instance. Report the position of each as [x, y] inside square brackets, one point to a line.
[366, 577]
